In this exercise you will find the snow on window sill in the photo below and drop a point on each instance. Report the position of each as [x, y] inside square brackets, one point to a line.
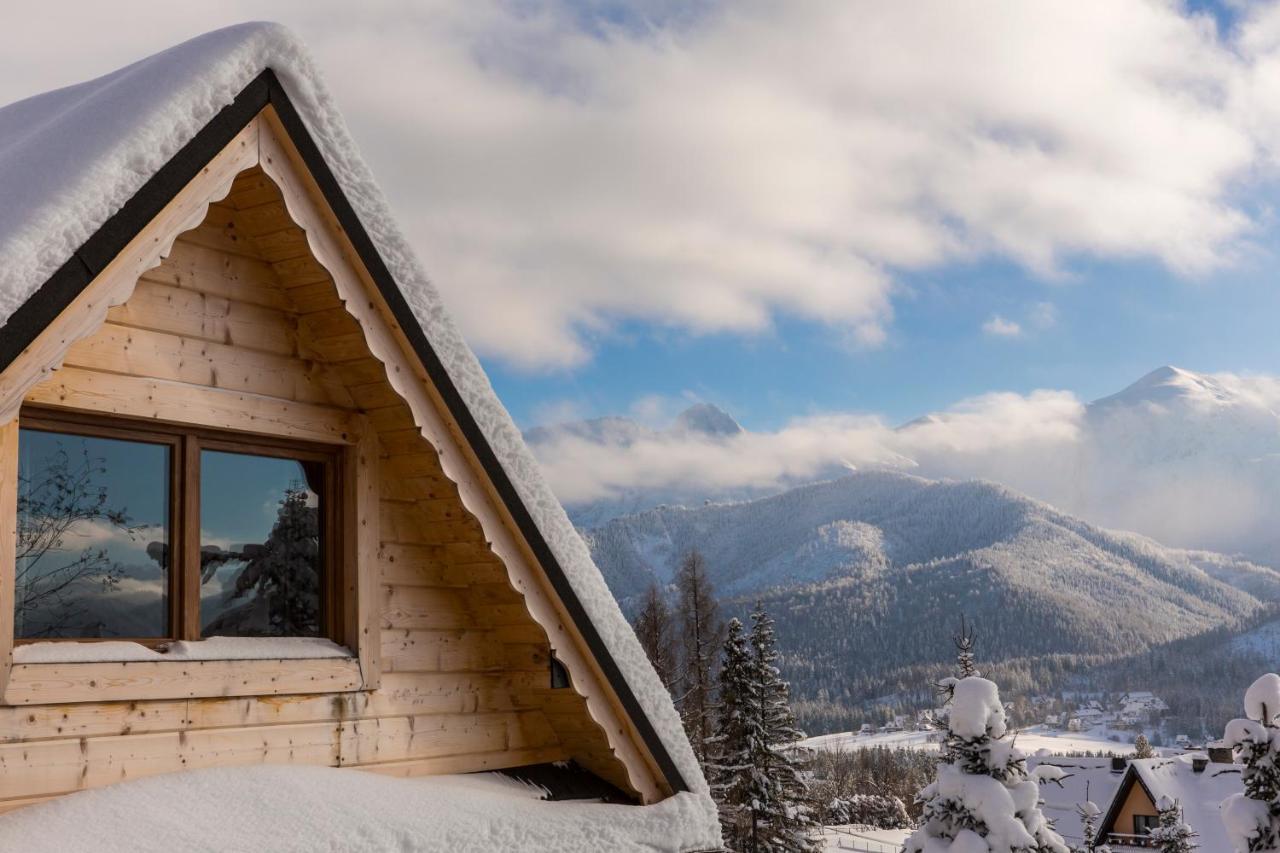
[212, 649]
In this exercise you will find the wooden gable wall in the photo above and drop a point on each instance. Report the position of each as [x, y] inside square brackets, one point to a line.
[240, 310]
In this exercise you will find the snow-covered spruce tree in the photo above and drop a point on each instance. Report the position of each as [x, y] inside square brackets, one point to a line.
[965, 667]
[1172, 835]
[653, 627]
[728, 751]
[763, 796]
[700, 633]
[965, 641]
[1088, 811]
[1142, 747]
[1253, 817]
[983, 800]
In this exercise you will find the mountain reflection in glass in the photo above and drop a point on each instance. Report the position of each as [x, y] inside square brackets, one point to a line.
[93, 537]
[261, 564]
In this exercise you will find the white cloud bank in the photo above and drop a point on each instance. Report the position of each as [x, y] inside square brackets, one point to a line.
[710, 171]
[1191, 461]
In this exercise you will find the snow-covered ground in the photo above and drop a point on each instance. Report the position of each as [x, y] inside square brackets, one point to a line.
[1030, 740]
[327, 810]
[853, 838]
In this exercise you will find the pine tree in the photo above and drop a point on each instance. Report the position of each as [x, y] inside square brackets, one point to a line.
[1252, 818]
[982, 798]
[1088, 812]
[1142, 747]
[778, 793]
[1172, 835]
[654, 630]
[728, 762]
[965, 641]
[701, 632]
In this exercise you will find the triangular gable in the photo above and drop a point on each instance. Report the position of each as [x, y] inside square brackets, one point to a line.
[527, 527]
[1118, 799]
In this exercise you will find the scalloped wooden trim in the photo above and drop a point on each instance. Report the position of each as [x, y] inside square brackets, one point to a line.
[358, 293]
[115, 284]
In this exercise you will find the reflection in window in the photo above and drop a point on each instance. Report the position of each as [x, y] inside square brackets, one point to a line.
[93, 537]
[261, 565]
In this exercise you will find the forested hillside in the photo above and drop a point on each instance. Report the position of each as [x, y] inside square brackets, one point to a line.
[867, 575]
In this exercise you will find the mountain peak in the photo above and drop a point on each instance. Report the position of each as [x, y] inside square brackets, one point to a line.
[706, 419]
[1169, 384]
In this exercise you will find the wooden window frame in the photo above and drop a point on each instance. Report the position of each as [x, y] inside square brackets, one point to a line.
[186, 443]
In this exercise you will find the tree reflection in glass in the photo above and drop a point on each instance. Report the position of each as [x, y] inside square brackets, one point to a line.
[261, 565]
[93, 537]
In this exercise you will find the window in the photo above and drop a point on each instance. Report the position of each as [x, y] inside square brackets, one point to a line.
[153, 533]
[1144, 823]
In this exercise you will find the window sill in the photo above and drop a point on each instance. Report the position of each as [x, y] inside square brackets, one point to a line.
[214, 648]
[199, 670]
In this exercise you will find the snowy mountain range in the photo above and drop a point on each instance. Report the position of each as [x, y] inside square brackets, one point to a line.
[867, 575]
[867, 572]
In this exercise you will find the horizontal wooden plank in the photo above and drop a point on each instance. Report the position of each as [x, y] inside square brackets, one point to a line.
[361, 371]
[434, 736]
[219, 232]
[422, 461]
[453, 565]
[393, 417]
[468, 763]
[415, 650]
[160, 355]
[299, 271]
[95, 719]
[178, 402]
[281, 245]
[423, 608]
[263, 218]
[233, 277]
[532, 729]
[331, 323]
[39, 684]
[375, 395]
[194, 314]
[435, 510]
[349, 347]
[404, 442]
[526, 657]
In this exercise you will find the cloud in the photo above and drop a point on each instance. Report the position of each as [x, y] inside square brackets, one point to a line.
[606, 465]
[1198, 468]
[1043, 315]
[563, 173]
[999, 327]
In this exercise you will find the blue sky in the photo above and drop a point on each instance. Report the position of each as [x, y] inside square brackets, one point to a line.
[1090, 326]
[777, 208]
[1113, 323]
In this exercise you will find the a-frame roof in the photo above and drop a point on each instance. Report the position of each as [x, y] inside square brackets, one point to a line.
[84, 169]
[1199, 793]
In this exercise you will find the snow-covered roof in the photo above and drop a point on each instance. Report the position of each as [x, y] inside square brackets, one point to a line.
[1083, 780]
[1200, 795]
[72, 158]
[324, 808]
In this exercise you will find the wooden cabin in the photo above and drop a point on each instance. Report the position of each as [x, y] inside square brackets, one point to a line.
[259, 504]
[1195, 783]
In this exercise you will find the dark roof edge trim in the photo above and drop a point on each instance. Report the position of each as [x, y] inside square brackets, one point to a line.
[69, 280]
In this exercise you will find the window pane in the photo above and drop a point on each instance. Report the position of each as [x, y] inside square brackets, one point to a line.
[260, 551]
[93, 537]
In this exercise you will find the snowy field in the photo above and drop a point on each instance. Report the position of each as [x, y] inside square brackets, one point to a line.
[851, 838]
[1030, 740]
